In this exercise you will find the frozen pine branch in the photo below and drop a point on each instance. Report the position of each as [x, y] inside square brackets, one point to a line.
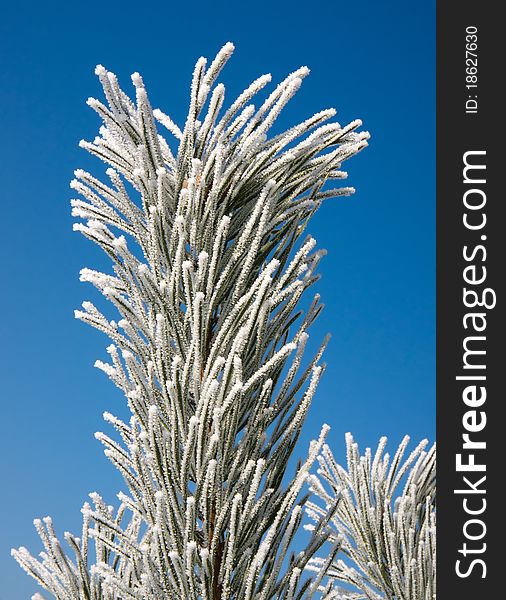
[204, 227]
[384, 522]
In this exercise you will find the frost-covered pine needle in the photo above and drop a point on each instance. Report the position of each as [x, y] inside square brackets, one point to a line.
[384, 519]
[204, 229]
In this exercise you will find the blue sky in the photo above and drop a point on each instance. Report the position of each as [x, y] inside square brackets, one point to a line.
[372, 60]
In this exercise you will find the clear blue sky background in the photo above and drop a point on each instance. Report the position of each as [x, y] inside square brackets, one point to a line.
[369, 59]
